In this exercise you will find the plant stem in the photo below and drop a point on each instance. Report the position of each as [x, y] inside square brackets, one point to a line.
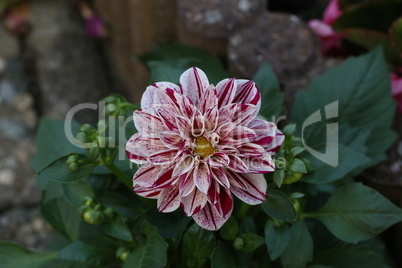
[121, 175]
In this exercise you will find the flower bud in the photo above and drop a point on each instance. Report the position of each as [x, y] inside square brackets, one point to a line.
[73, 166]
[89, 201]
[81, 137]
[109, 212]
[122, 253]
[93, 216]
[238, 243]
[86, 128]
[102, 127]
[94, 151]
[292, 177]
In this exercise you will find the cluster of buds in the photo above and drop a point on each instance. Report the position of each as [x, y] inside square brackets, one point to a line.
[94, 213]
[289, 166]
[116, 105]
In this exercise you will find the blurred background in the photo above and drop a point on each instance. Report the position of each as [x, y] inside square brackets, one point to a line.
[55, 54]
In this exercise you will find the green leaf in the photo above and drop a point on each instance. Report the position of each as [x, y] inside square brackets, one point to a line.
[396, 34]
[349, 160]
[299, 251]
[13, 255]
[230, 229]
[117, 228]
[97, 251]
[126, 207]
[356, 212]
[151, 254]
[52, 143]
[350, 256]
[168, 62]
[59, 171]
[75, 192]
[362, 16]
[360, 89]
[224, 258]
[251, 242]
[298, 166]
[278, 177]
[198, 244]
[61, 215]
[295, 151]
[271, 95]
[278, 205]
[276, 238]
[369, 39]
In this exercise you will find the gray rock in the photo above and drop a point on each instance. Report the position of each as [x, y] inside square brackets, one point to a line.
[283, 40]
[8, 44]
[69, 68]
[217, 18]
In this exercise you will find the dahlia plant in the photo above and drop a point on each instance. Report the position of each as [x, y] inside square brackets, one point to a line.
[202, 139]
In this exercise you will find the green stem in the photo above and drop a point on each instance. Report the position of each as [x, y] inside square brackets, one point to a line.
[121, 175]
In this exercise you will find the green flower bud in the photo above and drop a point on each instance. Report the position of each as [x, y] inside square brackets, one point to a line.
[292, 177]
[122, 253]
[73, 166]
[238, 243]
[89, 201]
[81, 137]
[102, 127]
[71, 159]
[86, 128]
[93, 216]
[296, 205]
[94, 151]
[109, 212]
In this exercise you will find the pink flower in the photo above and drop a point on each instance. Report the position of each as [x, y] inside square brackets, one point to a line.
[331, 42]
[396, 86]
[200, 144]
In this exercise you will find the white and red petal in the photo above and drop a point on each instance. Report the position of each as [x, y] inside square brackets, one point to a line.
[147, 175]
[245, 114]
[226, 91]
[236, 164]
[251, 150]
[147, 192]
[193, 202]
[210, 219]
[165, 178]
[197, 124]
[275, 144]
[163, 157]
[148, 98]
[247, 93]
[187, 107]
[184, 126]
[185, 164]
[226, 113]
[265, 131]
[167, 117]
[169, 199]
[224, 205]
[186, 183]
[225, 129]
[256, 190]
[208, 99]
[218, 159]
[211, 118]
[148, 123]
[220, 176]
[194, 82]
[171, 139]
[258, 165]
[202, 177]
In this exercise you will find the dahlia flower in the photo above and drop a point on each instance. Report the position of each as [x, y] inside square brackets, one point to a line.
[201, 143]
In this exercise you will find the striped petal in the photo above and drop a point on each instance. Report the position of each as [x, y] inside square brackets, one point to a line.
[218, 160]
[259, 165]
[169, 199]
[236, 164]
[210, 219]
[193, 202]
[194, 82]
[208, 99]
[185, 164]
[147, 175]
[148, 123]
[202, 177]
[151, 193]
[220, 176]
[186, 184]
[226, 91]
[163, 157]
[171, 139]
[148, 98]
[255, 191]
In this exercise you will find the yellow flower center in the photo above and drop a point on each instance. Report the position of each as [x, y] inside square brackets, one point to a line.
[203, 147]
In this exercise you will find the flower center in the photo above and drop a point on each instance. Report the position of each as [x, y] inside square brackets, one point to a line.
[203, 147]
